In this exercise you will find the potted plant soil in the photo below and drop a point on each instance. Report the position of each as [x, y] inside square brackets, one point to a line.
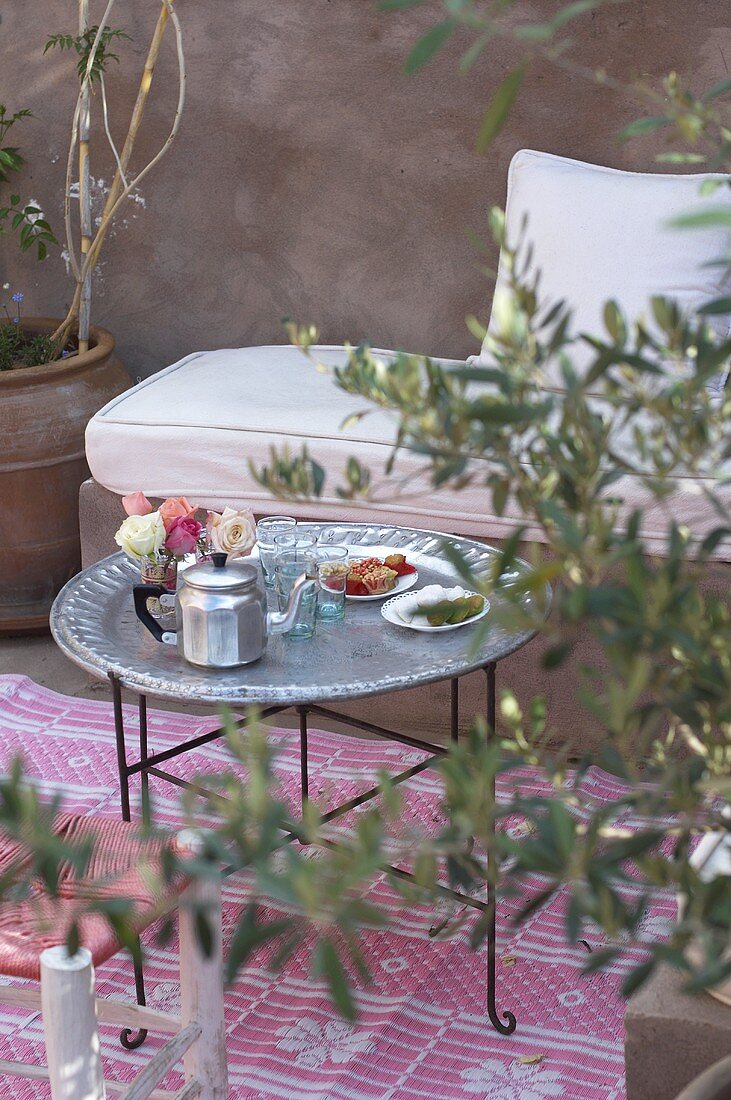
[55, 373]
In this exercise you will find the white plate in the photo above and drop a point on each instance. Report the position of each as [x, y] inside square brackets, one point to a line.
[388, 611]
[402, 583]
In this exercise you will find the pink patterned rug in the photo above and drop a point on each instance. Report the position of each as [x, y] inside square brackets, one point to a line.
[422, 1033]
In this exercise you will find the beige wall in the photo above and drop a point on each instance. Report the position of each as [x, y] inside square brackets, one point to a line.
[311, 178]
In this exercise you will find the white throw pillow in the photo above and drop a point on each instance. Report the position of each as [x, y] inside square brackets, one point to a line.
[601, 233]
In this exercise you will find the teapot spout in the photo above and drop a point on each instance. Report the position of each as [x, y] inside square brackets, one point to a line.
[279, 622]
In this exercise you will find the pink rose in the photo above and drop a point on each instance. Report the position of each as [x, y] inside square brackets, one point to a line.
[182, 535]
[175, 508]
[136, 504]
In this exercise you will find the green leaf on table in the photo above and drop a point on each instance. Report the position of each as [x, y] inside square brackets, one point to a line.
[563, 829]
[680, 158]
[572, 11]
[397, 5]
[719, 305]
[643, 126]
[497, 112]
[204, 932]
[500, 492]
[428, 45]
[249, 935]
[472, 54]
[600, 958]
[717, 90]
[326, 964]
[637, 977]
[615, 323]
[717, 216]
[457, 559]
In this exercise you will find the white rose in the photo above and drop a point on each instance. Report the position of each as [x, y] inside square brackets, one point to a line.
[141, 536]
[233, 532]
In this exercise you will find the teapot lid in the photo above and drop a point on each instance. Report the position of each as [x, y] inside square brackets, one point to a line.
[219, 574]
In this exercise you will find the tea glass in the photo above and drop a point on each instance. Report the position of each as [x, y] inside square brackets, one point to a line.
[290, 565]
[332, 573]
[266, 531]
[294, 539]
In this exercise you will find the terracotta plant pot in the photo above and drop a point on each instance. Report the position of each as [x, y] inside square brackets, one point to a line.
[43, 414]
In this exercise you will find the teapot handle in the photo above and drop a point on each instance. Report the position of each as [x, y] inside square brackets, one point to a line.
[141, 593]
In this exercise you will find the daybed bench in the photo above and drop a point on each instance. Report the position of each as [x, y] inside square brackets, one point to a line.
[191, 429]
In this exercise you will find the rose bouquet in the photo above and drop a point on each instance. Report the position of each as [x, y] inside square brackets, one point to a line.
[170, 531]
[160, 538]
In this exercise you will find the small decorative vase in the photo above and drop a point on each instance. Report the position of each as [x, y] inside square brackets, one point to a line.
[159, 570]
[203, 551]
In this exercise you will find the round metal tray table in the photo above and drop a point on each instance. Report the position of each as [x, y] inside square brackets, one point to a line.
[94, 623]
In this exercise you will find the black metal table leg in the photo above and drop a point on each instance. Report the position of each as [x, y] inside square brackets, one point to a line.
[304, 773]
[505, 1022]
[454, 709]
[121, 749]
[129, 1039]
[144, 774]
[509, 1026]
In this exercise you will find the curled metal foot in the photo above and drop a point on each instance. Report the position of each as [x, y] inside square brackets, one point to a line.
[506, 1028]
[130, 1039]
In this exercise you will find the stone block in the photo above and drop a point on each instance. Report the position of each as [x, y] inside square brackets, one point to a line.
[671, 1037]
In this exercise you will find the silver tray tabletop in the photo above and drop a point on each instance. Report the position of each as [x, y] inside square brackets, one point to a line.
[94, 623]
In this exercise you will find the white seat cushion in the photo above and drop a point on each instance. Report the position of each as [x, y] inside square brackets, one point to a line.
[193, 428]
[600, 233]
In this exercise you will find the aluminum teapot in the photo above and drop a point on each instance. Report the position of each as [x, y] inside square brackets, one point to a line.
[221, 613]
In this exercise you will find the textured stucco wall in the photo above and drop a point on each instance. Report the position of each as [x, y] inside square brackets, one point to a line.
[311, 178]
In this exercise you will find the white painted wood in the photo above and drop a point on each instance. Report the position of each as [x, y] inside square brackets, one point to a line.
[163, 1061]
[201, 984]
[118, 1013]
[188, 1092]
[119, 1088]
[69, 1025]
[122, 1014]
[113, 1088]
[23, 1069]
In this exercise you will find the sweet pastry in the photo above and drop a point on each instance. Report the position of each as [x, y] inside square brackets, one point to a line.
[439, 606]
[374, 577]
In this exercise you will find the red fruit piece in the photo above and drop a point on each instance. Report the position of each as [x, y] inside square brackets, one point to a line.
[399, 564]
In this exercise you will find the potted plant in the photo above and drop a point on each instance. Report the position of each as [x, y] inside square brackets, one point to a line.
[56, 372]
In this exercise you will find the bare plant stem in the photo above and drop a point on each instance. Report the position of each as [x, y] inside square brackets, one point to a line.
[61, 334]
[120, 190]
[84, 192]
[137, 111]
[107, 131]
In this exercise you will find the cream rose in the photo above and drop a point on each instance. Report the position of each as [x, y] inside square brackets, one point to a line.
[141, 536]
[233, 532]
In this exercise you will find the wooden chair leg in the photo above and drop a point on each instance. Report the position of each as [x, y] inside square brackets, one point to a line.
[201, 991]
[69, 1025]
